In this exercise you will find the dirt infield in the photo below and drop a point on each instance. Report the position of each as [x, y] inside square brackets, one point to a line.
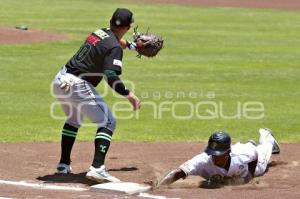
[137, 162]
[11, 35]
[274, 4]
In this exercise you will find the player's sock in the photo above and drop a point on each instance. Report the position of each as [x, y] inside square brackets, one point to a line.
[102, 142]
[67, 140]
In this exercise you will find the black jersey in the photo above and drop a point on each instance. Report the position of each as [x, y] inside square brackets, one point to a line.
[100, 51]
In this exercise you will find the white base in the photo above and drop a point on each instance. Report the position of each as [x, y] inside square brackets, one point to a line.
[121, 187]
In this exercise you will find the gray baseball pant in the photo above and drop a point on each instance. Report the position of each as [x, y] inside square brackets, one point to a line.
[82, 100]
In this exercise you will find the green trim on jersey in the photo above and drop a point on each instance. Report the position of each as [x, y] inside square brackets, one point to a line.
[110, 73]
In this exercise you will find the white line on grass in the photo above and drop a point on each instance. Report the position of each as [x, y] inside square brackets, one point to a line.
[42, 186]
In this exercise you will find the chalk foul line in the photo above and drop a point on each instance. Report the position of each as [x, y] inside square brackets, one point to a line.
[42, 186]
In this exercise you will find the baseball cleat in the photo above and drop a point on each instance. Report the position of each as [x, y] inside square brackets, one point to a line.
[63, 168]
[269, 135]
[276, 147]
[100, 175]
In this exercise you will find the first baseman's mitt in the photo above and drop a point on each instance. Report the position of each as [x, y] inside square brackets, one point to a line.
[147, 44]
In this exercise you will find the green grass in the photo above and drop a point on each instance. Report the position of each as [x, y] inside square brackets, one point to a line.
[240, 55]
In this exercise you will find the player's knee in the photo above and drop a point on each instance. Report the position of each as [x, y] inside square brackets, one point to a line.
[111, 124]
[73, 123]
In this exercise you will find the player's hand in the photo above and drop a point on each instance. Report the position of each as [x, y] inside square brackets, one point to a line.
[65, 87]
[134, 101]
[66, 81]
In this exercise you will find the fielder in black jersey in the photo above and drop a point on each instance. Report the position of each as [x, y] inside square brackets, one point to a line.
[101, 51]
[99, 57]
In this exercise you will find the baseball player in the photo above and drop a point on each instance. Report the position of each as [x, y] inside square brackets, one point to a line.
[223, 163]
[99, 57]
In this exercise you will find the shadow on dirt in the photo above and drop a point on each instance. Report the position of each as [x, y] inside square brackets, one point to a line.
[76, 177]
[69, 178]
[277, 163]
[125, 169]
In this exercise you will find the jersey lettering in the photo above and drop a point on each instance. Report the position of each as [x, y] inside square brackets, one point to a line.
[92, 39]
[83, 51]
[96, 54]
[100, 33]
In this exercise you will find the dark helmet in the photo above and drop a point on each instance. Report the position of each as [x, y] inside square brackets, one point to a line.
[218, 143]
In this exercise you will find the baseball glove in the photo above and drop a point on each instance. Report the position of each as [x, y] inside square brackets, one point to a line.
[147, 44]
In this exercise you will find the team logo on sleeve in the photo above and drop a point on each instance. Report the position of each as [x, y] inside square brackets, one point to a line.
[93, 40]
[214, 145]
[117, 62]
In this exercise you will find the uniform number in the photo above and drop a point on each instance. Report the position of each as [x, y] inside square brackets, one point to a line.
[100, 33]
[83, 51]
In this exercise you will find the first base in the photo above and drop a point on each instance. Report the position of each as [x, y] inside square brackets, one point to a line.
[121, 187]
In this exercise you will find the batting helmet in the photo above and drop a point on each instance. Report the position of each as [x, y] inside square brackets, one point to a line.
[218, 143]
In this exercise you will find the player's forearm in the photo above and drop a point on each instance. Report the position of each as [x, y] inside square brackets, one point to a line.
[123, 43]
[116, 83]
[172, 177]
[127, 44]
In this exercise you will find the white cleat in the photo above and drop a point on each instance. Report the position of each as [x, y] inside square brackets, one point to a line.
[100, 175]
[265, 132]
[63, 168]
